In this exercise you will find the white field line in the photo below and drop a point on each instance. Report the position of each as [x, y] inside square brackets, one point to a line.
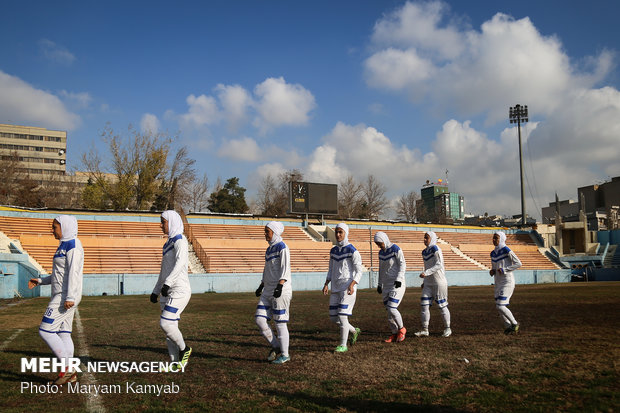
[93, 401]
[8, 340]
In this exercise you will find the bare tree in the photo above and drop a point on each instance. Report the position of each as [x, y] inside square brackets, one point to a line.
[198, 192]
[273, 195]
[349, 197]
[406, 206]
[374, 202]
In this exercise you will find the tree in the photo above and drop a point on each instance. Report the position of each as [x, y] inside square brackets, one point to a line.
[349, 197]
[273, 195]
[139, 175]
[406, 206]
[374, 202]
[229, 199]
[198, 195]
[11, 175]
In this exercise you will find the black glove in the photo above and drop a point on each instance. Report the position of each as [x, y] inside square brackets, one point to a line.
[259, 290]
[278, 291]
[164, 290]
[154, 298]
[379, 289]
[397, 284]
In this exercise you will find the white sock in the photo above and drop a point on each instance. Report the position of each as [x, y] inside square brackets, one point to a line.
[265, 330]
[505, 312]
[55, 343]
[426, 316]
[396, 318]
[68, 342]
[171, 328]
[173, 350]
[283, 337]
[445, 313]
[345, 328]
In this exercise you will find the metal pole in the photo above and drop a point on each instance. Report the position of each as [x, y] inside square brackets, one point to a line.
[523, 220]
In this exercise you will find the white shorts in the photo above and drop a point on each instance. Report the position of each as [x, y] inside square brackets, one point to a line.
[277, 308]
[341, 303]
[503, 292]
[437, 292]
[171, 308]
[57, 319]
[393, 296]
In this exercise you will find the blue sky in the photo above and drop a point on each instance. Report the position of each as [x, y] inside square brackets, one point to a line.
[401, 90]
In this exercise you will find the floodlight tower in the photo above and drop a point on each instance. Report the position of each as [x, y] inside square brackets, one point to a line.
[517, 115]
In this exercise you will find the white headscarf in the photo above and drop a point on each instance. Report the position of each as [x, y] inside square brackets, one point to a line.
[502, 240]
[433, 239]
[175, 223]
[345, 228]
[68, 227]
[382, 237]
[277, 229]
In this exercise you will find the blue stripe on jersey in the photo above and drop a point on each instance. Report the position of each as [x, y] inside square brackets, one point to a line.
[171, 309]
[443, 300]
[169, 245]
[64, 332]
[429, 252]
[343, 306]
[391, 252]
[342, 253]
[333, 307]
[263, 307]
[279, 312]
[170, 319]
[64, 247]
[274, 251]
[500, 255]
[393, 300]
[501, 297]
[426, 298]
[47, 320]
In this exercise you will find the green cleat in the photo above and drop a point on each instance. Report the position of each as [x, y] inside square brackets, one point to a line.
[185, 356]
[356, 335]
[341, 349]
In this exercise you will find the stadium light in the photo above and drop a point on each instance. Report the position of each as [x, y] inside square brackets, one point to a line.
[517, 115]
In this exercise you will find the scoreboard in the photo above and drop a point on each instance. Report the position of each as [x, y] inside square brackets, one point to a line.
[313, 198]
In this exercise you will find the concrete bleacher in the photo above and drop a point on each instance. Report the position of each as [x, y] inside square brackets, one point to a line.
[109, 246]
[224, 231]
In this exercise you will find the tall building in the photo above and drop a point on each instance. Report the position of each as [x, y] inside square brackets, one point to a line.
[41, 152]
[437, 203]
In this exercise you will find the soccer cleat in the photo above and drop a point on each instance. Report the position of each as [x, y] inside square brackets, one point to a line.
[356, 335]
[401, 335]
[281, 360]
[391, 339]
[421, 333]
[273, 354]
[184, 356]
[64, 377]
[512, 329]
[341, 349]
[447, 332]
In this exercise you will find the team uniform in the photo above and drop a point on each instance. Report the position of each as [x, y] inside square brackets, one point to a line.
[66, 284]
[392, 267]
[274, 302]
[345, 266]
[504, 261]
[435, 286]
[174, 287]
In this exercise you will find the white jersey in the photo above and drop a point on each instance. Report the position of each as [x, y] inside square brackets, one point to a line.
[277, 267]
[345, 265]
[174, 263]
[434, 271]
[392, 266]
[67, 272]
[506, 260]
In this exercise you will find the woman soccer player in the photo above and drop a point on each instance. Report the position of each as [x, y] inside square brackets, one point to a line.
[503, 263]
[66, 281]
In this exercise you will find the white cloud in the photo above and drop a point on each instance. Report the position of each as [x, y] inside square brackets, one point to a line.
[22, 103]
[235, 101]
[56, 53]
[471, 71]
[81, 99]
[149, 123]
[279, 103]
[203, 111]
[243, 149]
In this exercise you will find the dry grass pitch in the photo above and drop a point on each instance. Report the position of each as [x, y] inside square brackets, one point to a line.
[564, 359]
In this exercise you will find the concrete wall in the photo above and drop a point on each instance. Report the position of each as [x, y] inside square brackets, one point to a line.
[131, 284]
[16, 271]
